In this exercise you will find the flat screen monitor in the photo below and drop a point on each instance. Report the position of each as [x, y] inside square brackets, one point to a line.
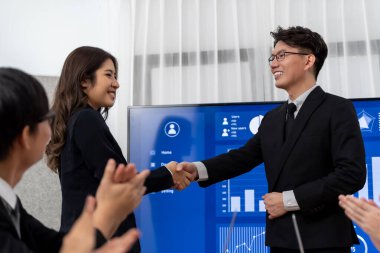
[198, 219]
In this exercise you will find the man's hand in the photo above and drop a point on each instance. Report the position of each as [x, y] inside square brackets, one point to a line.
[274, 204]
[190, 168]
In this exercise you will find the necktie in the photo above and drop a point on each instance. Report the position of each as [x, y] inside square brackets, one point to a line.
[14, 214]
[291, 108]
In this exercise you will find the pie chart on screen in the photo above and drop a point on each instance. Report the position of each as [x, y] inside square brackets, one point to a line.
[255, 123]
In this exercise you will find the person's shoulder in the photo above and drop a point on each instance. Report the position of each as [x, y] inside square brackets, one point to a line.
[87, 116]
[337, 100]
[274, 113]
[278, 108]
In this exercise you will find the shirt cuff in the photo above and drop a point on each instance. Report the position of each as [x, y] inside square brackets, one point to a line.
[171, 173]
[290, 202]
[202, 171]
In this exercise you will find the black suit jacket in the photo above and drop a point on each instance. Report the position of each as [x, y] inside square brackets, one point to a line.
[322, 158]
[35, 237]
[89, 144]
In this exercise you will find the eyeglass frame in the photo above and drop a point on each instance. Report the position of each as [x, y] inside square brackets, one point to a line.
[277, 56]
[50, 115]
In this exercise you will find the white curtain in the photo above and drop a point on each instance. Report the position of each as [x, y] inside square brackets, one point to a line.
[205, 51]
[119, 39]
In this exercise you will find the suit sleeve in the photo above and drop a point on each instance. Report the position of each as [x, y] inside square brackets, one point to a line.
[12, 245]
[97, 145]
[348, 159]
[35, 237]
[235, 162]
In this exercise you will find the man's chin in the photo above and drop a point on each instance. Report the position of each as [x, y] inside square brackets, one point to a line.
[279, 85]
[109, 105]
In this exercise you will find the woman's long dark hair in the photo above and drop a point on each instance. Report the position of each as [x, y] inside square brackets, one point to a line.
[69, 97]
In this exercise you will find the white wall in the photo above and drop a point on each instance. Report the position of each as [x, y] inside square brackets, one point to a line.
[36, 36]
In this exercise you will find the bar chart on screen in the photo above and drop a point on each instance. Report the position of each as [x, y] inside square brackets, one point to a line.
[376, 175]
[241, 239]
[242, 194]
[371, 189]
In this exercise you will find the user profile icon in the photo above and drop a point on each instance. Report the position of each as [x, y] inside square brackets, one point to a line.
[172, 129]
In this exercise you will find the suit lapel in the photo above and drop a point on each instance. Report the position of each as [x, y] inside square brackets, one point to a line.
[5, 220]
[311, 103]
[280, 126]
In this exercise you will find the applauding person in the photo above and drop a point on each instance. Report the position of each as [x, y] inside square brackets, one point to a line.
[24, 136]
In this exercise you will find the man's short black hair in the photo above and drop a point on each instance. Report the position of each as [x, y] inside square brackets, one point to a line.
[304, 39]
[23, 102]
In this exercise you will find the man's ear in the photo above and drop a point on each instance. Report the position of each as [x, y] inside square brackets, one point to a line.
[25, 140]
[310, 61]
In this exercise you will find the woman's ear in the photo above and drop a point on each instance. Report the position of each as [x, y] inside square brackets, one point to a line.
[85, 84]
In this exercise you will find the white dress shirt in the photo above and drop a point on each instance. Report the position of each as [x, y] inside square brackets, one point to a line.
[7, 193]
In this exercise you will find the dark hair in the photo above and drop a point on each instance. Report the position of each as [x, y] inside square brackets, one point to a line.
[23, 102]
[303, 38]
[80, 65]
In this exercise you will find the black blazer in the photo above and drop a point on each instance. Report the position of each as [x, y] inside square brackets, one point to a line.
[35, 237]
[89, 144]
[322, 158]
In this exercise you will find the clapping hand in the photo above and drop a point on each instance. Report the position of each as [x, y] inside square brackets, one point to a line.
[365, 213]
[81, 238]
[119, 193]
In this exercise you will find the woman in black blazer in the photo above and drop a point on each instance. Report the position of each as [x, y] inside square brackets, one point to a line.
[81, 141]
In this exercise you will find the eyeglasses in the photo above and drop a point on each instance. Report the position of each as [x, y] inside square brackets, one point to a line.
[48, 116]
[281, 56]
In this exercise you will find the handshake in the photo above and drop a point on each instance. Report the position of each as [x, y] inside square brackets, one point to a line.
[183, 174]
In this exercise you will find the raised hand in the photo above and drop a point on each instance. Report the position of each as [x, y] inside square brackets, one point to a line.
[364, 213]
[181, 179]
[124, 173]
[189, 168]
[81, 238]
[116, 200]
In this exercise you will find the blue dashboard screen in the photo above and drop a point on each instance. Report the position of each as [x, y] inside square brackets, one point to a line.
[198, 219]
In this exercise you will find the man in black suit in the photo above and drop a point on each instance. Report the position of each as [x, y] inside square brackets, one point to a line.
[311, 147]
[24, 134]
